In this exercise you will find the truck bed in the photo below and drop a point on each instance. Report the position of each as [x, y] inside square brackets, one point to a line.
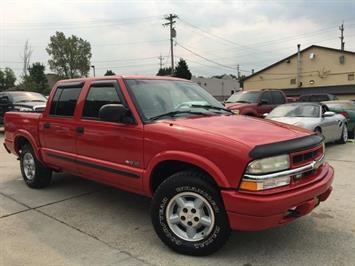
[16, 122]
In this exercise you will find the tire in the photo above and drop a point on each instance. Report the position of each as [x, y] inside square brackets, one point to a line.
[199, 224]
[344, 135]
[33, 172]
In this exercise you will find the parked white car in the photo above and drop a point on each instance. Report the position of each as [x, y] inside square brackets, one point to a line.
[313, 116]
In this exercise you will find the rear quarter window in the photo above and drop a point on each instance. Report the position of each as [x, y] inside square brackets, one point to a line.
[64, 101]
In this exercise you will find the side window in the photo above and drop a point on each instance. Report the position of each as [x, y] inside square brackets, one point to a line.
[64, 101]
[97, 97]
[266, 96]
[277, 97]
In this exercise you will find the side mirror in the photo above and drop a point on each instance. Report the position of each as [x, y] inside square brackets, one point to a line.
[263, 101]
[328, 114]
[115, 113]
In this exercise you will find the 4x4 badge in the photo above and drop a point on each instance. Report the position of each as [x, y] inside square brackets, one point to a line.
[132, 163]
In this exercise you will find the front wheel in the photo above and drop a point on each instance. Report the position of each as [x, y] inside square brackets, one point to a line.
[188, 214]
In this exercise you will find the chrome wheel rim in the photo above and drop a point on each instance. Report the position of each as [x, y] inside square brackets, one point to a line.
[29, 166]
[190, 216]
[345, 134]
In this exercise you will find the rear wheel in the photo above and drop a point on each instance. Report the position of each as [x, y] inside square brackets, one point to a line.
[344, 135]
[188, 214]
[33, 172]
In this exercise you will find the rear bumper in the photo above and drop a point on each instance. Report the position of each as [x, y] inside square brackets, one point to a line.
[251, 212]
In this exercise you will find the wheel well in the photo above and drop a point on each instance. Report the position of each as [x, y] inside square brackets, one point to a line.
[20, 142]
[167, 168]
[318, 128]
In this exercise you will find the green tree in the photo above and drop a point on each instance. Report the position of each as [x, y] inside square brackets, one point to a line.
[36, 80]
[165, 71]
[182, 70]
[69, 57]
[109, 72]
[241, 80]
[7, 79]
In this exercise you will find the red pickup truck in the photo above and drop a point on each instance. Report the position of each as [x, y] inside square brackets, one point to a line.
[207, 170]
[255, 103]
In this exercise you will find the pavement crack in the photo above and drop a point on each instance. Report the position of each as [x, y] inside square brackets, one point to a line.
[91, 236]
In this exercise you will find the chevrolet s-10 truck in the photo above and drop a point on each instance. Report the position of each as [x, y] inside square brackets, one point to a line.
[207, 170]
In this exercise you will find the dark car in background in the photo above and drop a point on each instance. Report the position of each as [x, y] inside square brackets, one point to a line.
[255, 103]
[317, 97]
[23, 101]
[347, 109]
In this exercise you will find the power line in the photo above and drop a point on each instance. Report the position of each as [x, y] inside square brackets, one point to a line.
[209, 60]
[216, 36]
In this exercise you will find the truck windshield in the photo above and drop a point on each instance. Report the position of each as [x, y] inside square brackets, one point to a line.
[244, 97]
[156, 99]
[293, 110]
[25, 96]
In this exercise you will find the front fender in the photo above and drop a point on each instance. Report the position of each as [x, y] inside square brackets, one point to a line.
[212, 169]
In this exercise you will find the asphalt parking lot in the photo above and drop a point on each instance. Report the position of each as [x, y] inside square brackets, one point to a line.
[79, 222]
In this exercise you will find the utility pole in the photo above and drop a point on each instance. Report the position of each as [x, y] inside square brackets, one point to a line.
[160, 61]
[93, 68]
[170, 23]
[342, 44]
[298, 70]
[238, 72]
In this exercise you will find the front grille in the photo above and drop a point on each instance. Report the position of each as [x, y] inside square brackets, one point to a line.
[304, 157]
[39, 109]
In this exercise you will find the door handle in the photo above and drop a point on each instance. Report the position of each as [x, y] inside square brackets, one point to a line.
[79, 130]
[46, 125]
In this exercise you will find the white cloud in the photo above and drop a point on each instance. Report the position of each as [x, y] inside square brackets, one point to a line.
[122, 30]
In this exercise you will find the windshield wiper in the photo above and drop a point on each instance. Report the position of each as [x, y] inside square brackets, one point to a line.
[206, 106]
[174, 113]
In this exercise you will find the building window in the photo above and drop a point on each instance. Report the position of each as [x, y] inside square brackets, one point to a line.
[351, 76]
[293, 81]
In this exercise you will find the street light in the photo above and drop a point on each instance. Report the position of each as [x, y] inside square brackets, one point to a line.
[93, 68]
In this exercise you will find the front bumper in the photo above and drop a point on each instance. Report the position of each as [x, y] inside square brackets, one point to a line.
[252, 212]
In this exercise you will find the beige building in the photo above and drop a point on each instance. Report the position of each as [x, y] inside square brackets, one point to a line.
[318, 70]
[221, 89]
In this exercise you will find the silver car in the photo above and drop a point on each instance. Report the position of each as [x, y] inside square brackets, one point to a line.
[313, 116]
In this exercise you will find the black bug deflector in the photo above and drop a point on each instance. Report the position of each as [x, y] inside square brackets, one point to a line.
[283, 147]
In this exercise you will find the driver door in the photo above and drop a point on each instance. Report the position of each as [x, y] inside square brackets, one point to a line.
[329, 126]
[107, 151]
[265, 104]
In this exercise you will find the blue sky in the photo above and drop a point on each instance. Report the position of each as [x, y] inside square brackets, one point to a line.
[128, 36]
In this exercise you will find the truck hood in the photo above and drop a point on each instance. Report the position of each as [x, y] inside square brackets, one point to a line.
[305, 122]
[239, 105]
[35, 106]
[244, 129]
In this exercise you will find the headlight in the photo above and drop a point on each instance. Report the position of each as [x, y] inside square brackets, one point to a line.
[25, 109]
[269, 165]
[236, 112]
[257, 178]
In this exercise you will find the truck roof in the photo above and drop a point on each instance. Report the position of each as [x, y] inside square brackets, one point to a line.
[122, 77]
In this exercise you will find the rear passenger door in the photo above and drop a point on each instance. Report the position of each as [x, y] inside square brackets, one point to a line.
[109, 152]
[57, 129]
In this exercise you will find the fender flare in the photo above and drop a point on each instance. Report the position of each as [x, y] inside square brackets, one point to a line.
[25, 134]
[186, 157]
